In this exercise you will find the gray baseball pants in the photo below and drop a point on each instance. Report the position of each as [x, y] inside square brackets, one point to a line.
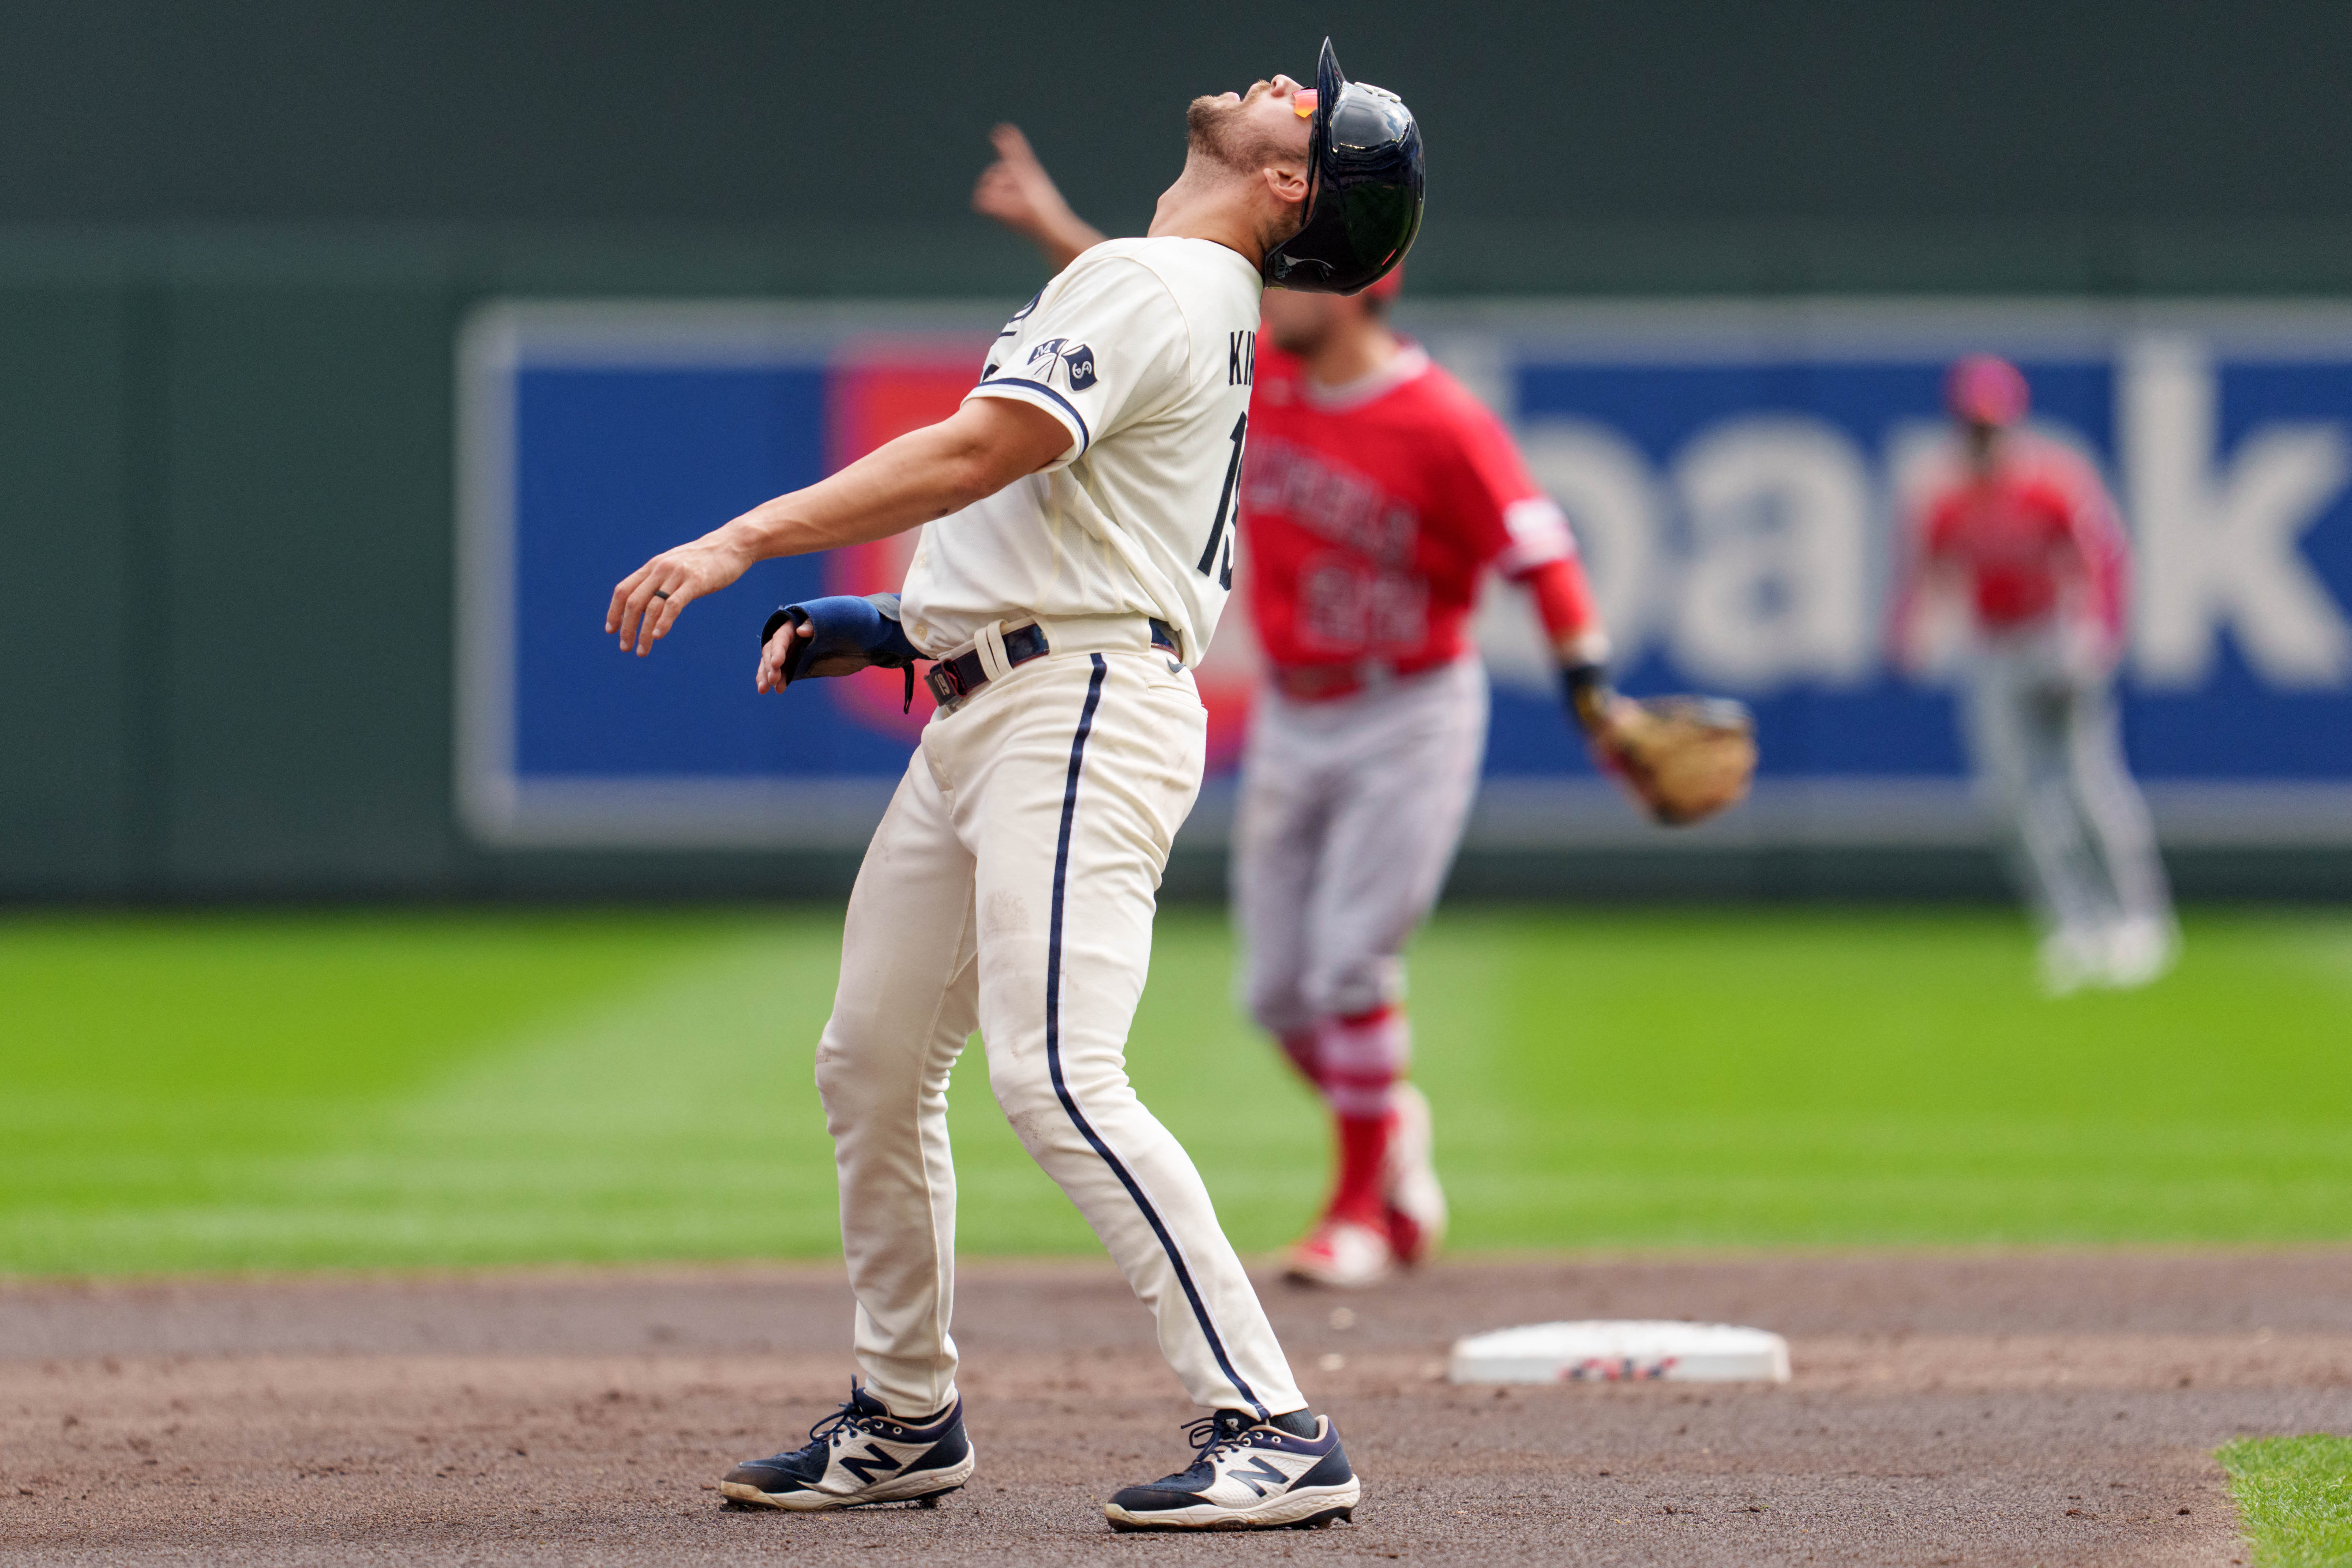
[2049, 750]
[1351, 812]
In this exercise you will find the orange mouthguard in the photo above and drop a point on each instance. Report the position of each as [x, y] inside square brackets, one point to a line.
[1302, 104]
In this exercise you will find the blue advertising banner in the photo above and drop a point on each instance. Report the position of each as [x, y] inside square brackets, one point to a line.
[1737, 475]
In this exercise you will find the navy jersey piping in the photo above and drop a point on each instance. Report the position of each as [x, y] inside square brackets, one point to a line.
[1053, 1041]
[1085, 438]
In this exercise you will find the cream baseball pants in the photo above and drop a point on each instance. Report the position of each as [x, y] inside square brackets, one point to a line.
[1010, 887]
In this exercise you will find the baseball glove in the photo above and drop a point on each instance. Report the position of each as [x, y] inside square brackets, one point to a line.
[1683, 758]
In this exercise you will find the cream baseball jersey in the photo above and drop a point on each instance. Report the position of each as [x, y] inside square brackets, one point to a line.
[1145, 350]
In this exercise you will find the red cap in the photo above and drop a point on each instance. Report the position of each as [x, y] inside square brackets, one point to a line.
[1387, 288]
[1984, 389]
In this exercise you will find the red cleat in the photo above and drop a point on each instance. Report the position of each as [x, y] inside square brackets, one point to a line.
[1341, 1253]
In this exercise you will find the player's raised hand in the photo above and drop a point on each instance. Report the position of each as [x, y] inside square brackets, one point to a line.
[1016, 192]
[647, 602]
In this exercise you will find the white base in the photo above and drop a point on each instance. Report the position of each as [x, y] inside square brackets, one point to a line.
[1621, 1351]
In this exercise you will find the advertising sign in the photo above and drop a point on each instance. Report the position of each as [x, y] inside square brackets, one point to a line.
[1736, 474]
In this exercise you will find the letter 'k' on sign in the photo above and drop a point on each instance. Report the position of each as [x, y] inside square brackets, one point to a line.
[2219, 542]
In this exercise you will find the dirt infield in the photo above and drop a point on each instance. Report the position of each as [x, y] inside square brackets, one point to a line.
[2033, 1409]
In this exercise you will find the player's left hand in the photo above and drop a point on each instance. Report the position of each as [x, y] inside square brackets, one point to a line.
[1683, 759]
[647, 602]
[774, 653]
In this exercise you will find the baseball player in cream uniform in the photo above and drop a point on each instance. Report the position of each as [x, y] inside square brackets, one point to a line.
[1076, 515]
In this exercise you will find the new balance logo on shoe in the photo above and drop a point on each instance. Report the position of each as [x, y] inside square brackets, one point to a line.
[1288, 1472]
[875, 1459]
[1259, 1470]
[859, 1455]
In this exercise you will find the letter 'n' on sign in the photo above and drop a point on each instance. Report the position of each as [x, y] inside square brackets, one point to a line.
[1241, 359]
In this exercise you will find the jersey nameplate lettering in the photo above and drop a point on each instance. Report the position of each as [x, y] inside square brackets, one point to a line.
[1241, 359]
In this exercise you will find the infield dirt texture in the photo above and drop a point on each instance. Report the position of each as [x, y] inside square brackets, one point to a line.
[531, 1091]
[1945, 1409]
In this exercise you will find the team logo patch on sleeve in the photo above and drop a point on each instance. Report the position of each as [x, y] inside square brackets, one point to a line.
[1077, 360]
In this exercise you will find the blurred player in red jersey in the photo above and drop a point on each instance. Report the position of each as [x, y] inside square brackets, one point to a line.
[1376, 495]
[2017, 539]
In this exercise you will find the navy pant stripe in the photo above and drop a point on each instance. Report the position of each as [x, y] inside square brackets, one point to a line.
[1054, 1040]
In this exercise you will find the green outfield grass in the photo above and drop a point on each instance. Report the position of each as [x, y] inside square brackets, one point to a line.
[2295, 1499]
[223, 1091]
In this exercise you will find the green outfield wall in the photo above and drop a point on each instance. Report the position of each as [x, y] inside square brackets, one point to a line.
[237, 242]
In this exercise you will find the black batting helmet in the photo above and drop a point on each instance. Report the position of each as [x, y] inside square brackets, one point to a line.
[1363, 206]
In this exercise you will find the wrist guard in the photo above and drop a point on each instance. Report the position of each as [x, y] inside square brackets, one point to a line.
[846, 633]
[1588, 694]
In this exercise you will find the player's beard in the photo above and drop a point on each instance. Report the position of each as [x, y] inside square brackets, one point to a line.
[1218, 130]
[1219, 133]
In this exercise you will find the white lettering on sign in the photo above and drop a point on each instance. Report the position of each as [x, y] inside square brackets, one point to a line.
[2217, 545]
[1603, 483]
[1763, 561]
[1776, 585]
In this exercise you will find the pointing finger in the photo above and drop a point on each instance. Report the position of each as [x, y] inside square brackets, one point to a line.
[1011, 145]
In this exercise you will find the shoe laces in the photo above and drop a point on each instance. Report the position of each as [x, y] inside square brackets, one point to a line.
[845, 1420]
[1212, 1436]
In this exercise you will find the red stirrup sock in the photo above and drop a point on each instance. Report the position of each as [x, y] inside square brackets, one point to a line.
[1304, 1047]
[1363, 1159]
[1362, 1056]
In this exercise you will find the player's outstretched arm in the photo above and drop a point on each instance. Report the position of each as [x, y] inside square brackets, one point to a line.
[925, 474]
[1925, 622]
[1579, 640]
[1016, 192]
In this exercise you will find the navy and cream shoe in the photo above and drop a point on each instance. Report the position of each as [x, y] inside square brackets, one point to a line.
[1247, 1474]
[861, 1453]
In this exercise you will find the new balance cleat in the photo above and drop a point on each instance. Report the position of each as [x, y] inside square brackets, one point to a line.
[859, 1455]
[1341, 1253]
[1247, 1474]
[1416, 1204]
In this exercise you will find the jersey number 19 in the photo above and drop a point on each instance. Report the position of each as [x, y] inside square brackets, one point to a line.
[1217, 534]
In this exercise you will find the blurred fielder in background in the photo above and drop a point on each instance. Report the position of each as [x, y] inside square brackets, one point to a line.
[2016, 544]
[1376, 494]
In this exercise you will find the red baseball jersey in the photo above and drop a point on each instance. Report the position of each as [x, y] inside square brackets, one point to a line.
[1372, 510]
[2021, 532]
